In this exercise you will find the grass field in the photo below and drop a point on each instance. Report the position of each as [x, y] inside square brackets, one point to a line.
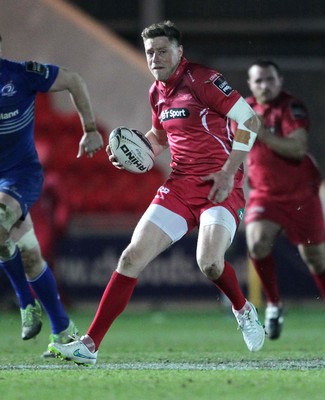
[176, 355]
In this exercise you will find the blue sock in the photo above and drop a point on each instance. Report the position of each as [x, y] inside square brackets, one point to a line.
[45, 287]
[14, 270]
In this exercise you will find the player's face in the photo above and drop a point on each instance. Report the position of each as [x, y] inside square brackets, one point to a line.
[264, 83]
[163, 57]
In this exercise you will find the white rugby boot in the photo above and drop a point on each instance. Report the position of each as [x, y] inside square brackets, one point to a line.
[75, 351]
[252, 329]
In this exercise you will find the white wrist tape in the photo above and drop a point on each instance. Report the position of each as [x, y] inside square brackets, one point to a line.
[244, 137]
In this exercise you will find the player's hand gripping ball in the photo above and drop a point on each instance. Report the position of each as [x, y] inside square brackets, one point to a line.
[132, 149]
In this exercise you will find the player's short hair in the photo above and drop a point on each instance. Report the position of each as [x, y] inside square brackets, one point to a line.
[265, 63]
[163, 28]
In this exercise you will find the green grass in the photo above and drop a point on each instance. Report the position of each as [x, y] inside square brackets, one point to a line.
[170, 355]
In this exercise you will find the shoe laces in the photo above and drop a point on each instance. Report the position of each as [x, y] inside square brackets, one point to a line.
[75, 337]
[245, 321]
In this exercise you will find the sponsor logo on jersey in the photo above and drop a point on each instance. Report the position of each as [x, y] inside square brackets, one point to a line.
[8, 90]
[223, 85]
[240, 213]
[174, 113]
[9, 115]
[161, 192]
[37, 68]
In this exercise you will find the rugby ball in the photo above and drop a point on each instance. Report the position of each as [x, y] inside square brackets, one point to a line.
[132, 149]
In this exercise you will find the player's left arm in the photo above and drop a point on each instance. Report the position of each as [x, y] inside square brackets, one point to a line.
[72, 81]
[248, 126]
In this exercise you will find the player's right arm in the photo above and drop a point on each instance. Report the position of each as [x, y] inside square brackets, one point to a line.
[158, 140]
[72, 81]
[248, 126]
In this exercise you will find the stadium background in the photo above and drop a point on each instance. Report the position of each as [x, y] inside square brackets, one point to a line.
[88, 205]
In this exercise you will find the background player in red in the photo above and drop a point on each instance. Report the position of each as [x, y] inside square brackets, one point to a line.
[191, 110]
[284, 183]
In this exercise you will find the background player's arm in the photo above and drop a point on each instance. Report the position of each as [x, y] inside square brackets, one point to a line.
[71, 81]
[294, 146]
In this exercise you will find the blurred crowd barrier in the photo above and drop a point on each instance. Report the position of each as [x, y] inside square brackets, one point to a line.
[85, 263]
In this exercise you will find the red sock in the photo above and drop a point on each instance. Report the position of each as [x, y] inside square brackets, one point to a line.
[320, 283]
[229, 285]
[114, 300]
[266, 270]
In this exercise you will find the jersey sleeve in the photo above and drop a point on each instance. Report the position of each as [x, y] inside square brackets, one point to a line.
[154, 116]
[40, 77]
[216, 93]
[295, 116]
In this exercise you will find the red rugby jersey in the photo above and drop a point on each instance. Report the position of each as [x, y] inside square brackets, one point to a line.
[192, 109]
[271, 174]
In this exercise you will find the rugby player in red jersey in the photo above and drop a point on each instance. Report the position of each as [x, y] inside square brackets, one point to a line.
[191, 110]
[285, 184]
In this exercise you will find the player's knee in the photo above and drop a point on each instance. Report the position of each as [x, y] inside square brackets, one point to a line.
[31, 254]
[7, 249]
[259, 250]
[211, 269]
[33, 262]
[130, 262]
[8, 219]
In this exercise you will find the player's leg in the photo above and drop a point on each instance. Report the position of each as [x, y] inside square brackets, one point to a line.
[42, 281]
[216, 232]
[11, 263]
[314, 257]
[308, 233]
[149, 239]
[213, 241]
[260, 237]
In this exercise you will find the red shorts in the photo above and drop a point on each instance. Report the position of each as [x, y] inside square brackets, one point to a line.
[302, 220]
[188, 197]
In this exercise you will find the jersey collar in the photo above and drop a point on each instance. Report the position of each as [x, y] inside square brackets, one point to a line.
[175, 78]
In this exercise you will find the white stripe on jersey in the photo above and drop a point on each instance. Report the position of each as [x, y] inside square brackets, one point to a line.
[203, 115]
[18, 123]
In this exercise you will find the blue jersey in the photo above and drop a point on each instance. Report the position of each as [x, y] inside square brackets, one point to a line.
[21, 173]
[19, 84]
